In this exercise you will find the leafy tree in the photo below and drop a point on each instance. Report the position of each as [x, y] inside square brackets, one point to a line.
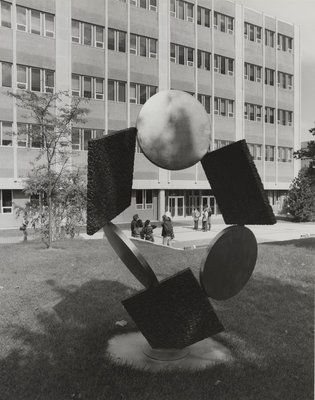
[301, 197]
[51, 115]
[308, 153]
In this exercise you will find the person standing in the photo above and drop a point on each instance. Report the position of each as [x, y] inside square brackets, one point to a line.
[205, 219]
[167, 231]
[196, 216]
[133, 224]
[138, 229]
[147, 231]
[209, 218]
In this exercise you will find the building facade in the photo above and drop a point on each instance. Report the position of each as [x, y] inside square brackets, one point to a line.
[242, 65]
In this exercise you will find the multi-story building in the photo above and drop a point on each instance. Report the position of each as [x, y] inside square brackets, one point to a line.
[242, 65]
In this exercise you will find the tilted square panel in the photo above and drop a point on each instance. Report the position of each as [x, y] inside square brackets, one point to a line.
[110, 173]
[174, 314]
[237, 186]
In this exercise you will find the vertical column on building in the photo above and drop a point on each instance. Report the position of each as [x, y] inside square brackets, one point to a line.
[212, 127]
[164, 83]
[196, 69]
[297, 97]
[264, 102]
[239, 72]
[63, 54]
[14, 80]
[128, 64]
[277, 105]
[106, 68]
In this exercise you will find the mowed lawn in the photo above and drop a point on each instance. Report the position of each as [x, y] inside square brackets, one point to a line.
[59, 308]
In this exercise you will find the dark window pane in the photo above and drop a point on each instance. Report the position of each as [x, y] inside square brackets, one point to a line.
[87, 137]
[181, 57]
[207, 61]
[139, 197]
[143, 96]
[122, 91]
[6, 75]
[111, 90]
[143, 3]
[87, 87]
[143, 46]
[207, 18]
[6, 14]
[6, 198]
[35, 20]
[122, 42]
[87, 34]
[6, 134]
[180, 6]
[111, 39]
[199, 16]
[35, 79]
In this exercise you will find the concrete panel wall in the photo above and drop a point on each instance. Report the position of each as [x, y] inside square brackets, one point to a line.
[24, 158]
[117, 65]
[182, 77]
[182, 32]
[117, 15]
[185, 174]
[270, 134]
[224, 128]
[253, 92]
[6, 111]
[253, 131]
[94, 13]
[224, 86]
[144, 70]
[47, 6]
[143, 22]
[6, 44]
[224, 44]
[204, 35]
[35, 50]
[285, 136]
[6, 161]
[87, 60]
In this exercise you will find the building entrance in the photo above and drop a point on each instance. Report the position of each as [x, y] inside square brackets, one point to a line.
[176, 206]
[207, 201]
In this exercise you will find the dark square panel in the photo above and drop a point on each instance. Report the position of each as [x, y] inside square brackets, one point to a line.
[174, 314]
[110, 172]
[237, 186]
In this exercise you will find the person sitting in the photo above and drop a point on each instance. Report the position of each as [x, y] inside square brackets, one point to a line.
[147, 231]
[167, 230]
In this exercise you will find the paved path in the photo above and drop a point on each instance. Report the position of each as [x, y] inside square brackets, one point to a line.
[186, 236]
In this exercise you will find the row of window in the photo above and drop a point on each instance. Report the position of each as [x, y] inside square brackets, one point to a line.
[28, 20]
[253, 112]
[81, 136]
[148, 4]
[253, 73]
[254, 34]
[28, 135]
[285, 154]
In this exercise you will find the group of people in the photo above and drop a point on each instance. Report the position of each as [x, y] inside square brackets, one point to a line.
[145, 230]
[205, 216]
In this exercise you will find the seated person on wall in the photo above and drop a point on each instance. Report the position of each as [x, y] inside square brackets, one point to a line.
[147, 231]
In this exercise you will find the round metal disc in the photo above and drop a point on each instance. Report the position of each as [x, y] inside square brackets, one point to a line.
[130, 256]
[229, 262]
[173, 130]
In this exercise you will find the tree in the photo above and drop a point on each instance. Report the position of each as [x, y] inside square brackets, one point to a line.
[308, 153]
[52, 116]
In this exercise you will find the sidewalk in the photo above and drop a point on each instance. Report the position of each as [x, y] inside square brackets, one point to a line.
[187, 237]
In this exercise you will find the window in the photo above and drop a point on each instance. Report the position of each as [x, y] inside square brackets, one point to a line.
[143, 46]
[144, 199]
[269, 115]
[6, 202]
[223, 65]
[140, 93]
[5, 133]
[181, 54]
[269, 38]
[255, 150]
[269, 77]
[116, 90]
[223, 23]
[80, 137]
[21, 24]
[203, 16]
[218, 144]
[252, 32]
[88, 87]
[76, 37]
[269, 153]
[5, 74]
[252, 112]
[285, 81]
[203, 61]
[35, 22]
[285, 117]
[49, 81]
[182, 10]
[252, 72]
[285, 43]
[205, 101]
[87, 34]
[116, 40]
[146, 4]
[22, 135]
[5, 14]
[35, 79]
[49, 25]
[21, 77]
[224, 107]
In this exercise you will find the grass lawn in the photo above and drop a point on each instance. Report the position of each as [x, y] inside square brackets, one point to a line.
[59, 308]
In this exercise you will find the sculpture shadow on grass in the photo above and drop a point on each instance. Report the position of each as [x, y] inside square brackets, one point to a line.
[307, 243]
[66, 358]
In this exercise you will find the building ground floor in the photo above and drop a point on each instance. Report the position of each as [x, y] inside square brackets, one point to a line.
[147, 203]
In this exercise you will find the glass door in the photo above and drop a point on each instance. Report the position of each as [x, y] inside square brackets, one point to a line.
[176, 206]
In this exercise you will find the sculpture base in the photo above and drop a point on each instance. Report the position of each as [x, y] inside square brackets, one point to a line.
[133, 349]
[165, 354]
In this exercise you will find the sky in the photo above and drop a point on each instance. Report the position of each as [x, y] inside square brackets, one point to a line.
[302, 13]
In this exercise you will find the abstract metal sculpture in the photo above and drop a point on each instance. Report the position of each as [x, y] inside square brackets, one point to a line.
[173, 131]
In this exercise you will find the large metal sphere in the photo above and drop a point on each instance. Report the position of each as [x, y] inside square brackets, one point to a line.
[173, 130]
